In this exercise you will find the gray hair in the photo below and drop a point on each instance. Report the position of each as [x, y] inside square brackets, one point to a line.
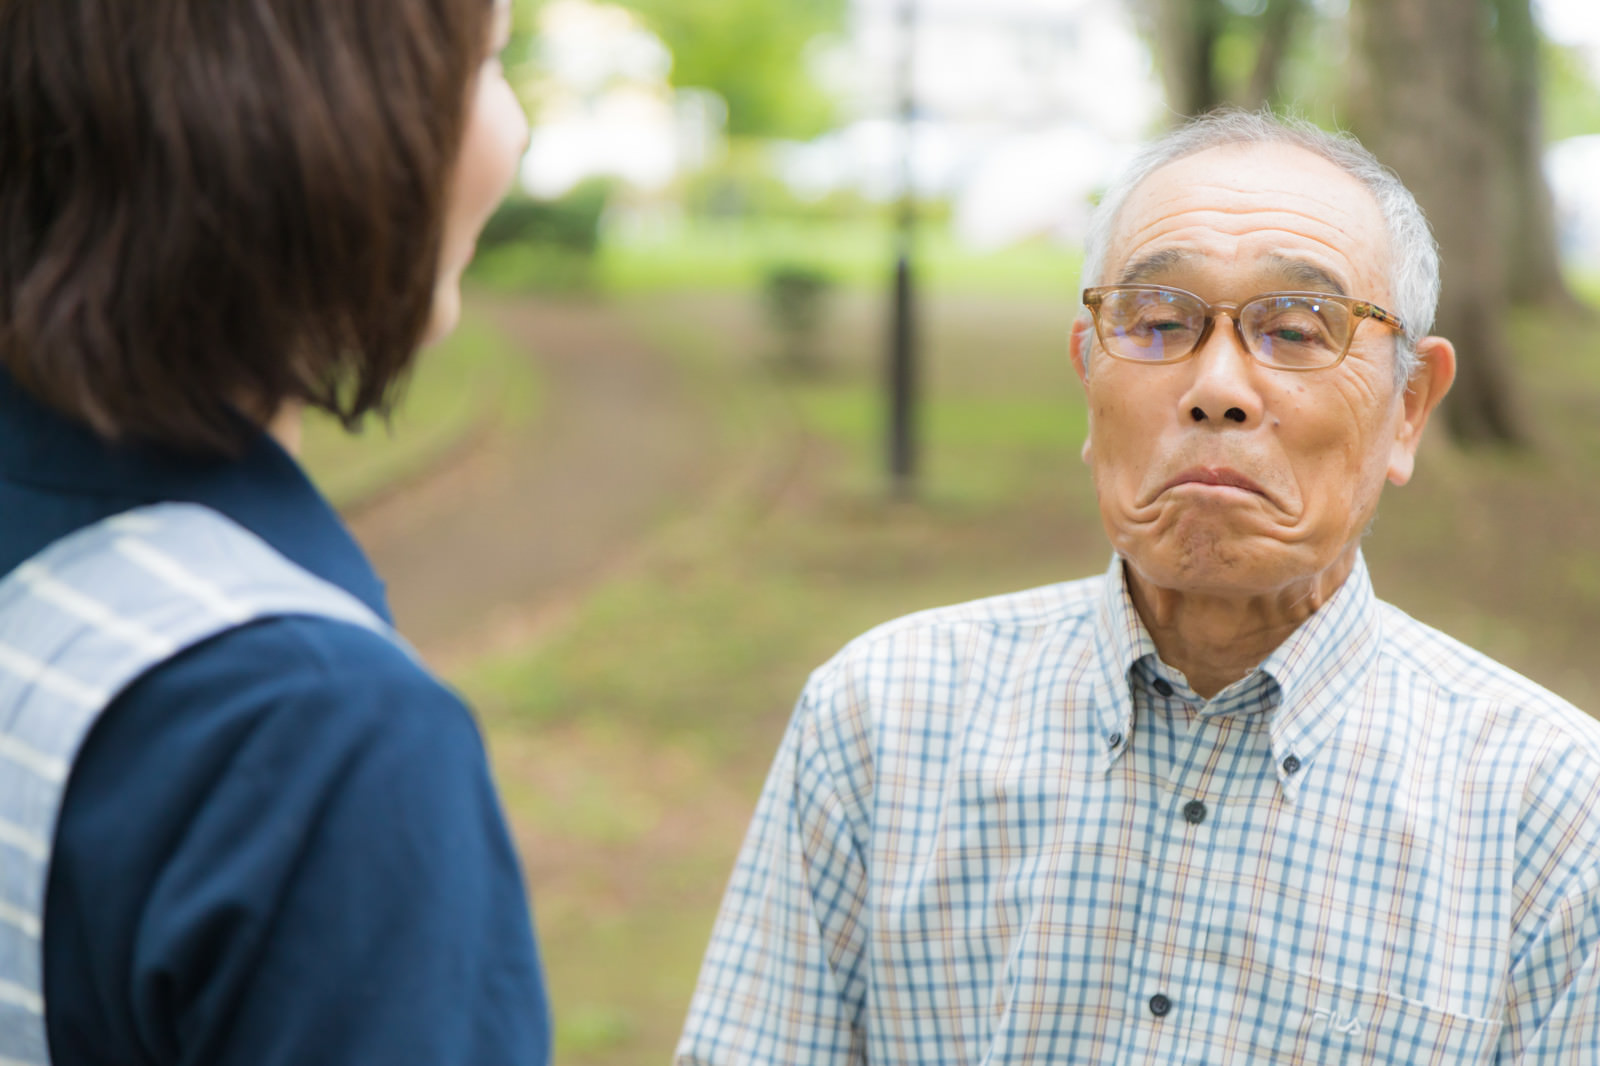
[1414, 254]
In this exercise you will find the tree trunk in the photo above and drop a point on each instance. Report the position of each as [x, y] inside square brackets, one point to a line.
[1420, 103]
[1277, 34]
[1533, 257]
[1185, 34]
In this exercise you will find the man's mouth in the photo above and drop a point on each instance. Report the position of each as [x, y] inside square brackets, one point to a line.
[1223, 476]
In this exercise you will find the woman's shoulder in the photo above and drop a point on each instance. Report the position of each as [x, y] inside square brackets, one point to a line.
[277, 793]
[316, 676]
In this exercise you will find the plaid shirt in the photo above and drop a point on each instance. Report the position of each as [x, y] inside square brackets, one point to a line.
[1006, 832]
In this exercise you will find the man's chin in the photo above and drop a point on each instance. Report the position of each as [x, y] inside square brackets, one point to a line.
[1216, 562]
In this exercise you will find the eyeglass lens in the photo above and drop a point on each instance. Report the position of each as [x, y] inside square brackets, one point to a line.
[1159, 326]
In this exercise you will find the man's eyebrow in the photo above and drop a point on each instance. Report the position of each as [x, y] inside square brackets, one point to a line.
[1296, 272]
[1307, 275]
[1153, 265]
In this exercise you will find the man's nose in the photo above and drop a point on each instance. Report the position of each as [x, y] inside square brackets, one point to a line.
[1223, 391]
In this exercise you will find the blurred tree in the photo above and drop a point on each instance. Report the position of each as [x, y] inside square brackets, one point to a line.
[1570, 98]
[1446, 91]
[1277, 27]
[752, 53]
[519, 55]
[1533, 261]
[1185, 34]
[1216, 52]
[1422, 102]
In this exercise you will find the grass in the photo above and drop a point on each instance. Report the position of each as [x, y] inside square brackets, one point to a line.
[459, 388]
[631, 742]
[857, 253]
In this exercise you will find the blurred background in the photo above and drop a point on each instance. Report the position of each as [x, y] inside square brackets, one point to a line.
[769, 346]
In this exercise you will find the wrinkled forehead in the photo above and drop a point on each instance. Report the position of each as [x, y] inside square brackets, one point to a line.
[1244, 218]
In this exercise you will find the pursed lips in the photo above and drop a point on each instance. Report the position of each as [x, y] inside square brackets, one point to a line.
[1222, 476]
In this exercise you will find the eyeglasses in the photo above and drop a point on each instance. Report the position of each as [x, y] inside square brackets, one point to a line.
[1283, 330]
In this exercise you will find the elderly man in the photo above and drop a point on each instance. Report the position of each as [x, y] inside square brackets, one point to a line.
[1221, 804]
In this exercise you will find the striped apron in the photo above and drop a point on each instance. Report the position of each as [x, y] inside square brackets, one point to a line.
[79, 623]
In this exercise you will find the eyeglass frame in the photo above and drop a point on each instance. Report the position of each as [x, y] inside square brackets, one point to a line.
[1359, 309]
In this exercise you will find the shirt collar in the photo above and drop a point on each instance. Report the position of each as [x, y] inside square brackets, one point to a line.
[73, 477]
[1318, 666]
[1314, 670]
[1121, 640]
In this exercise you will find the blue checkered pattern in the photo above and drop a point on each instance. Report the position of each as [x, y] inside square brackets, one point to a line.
[1006, 832]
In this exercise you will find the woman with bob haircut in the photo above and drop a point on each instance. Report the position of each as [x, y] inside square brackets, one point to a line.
[239, 822]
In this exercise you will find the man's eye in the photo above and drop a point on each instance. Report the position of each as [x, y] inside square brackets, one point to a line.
[1159, 321]
[1291, 331]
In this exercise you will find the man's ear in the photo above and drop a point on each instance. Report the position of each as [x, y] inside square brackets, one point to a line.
[1436, 369]
[1078, 344]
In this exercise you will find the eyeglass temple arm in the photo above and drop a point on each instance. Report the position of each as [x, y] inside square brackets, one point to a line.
[1362, 309]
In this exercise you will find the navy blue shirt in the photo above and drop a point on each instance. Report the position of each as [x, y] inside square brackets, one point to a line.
[282, 846]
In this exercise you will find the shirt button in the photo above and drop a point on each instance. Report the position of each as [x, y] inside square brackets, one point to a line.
[1114, 740]
[1291, 765]
[1194, 812]
[1159, 1005]
[1162, 687]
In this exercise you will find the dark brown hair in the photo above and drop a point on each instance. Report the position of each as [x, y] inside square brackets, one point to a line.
[211, 207]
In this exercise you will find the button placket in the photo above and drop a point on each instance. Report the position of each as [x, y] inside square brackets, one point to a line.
[1234, 840]
[1212, 764]
[1197, 766]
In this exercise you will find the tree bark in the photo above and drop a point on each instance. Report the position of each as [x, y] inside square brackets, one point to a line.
[1185, 34]
[1420, 102]
[1277, 34]
[1533, 257]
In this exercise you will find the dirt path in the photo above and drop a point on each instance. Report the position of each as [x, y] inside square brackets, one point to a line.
[517, 525]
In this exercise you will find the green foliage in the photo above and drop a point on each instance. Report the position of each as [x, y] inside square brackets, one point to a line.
[518, 58]
[796, 300]
[543, 244]
[742, 186]
[752, 53]
[1312, 82]
[856, 253]
[571, 223]
[1570, 97]
[514, 268]
[741, 183]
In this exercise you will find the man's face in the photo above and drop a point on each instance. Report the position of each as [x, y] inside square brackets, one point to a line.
[1218, 475]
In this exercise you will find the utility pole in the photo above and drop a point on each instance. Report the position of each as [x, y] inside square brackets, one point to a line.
[903, 340]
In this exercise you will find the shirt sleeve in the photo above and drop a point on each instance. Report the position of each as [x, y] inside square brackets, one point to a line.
[285, 849]
[1553, 997]
[783, 981]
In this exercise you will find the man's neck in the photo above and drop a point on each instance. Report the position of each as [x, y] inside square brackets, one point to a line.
[1216, 640]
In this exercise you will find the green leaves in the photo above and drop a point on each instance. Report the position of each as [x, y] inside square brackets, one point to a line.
[753, 54]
